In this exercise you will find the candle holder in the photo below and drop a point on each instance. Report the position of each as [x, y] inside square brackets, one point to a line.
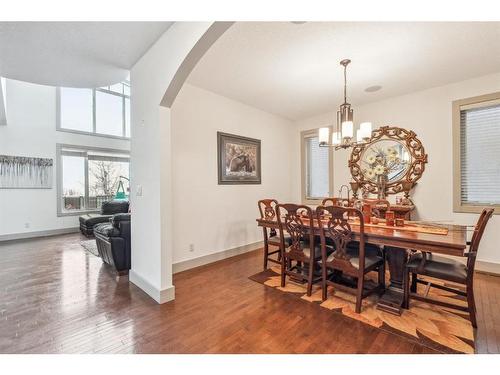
[354, 188]
[407, 186]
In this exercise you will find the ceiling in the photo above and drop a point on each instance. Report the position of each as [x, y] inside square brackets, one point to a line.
[74, 54]
[293, 70]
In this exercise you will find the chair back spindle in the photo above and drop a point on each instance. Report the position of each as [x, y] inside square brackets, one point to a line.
[297, 221]
[337, 228]
[267, 209]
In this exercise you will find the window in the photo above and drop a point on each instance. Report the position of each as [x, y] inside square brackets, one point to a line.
[89, 177]
[102, 111]
[76, 109]
[476, 131]
[317, 169]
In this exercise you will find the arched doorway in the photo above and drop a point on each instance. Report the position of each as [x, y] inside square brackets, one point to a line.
[157, 78]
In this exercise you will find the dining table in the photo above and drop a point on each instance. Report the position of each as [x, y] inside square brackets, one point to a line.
[398, 242]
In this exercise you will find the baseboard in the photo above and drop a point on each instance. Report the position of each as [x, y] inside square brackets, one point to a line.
[160, 296]
[488, 267]
[210, 258]
[41, 233]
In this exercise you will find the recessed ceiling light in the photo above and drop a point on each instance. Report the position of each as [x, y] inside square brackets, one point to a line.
[298, 22]
[373, 88]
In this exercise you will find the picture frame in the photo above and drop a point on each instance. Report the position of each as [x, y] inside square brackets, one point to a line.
[21, 172]
[238, 160]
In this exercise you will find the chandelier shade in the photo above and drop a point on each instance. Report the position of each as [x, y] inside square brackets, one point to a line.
[343, 135]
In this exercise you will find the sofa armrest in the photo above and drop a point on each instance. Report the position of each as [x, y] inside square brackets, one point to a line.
[118, 219]
[114, 207]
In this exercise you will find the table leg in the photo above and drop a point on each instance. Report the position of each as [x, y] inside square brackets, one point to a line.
[392, 300]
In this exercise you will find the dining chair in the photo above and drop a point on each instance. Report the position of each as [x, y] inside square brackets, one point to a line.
[354, 262]
[267, 209]
[447, 269]
[379, 206]
[303, 249]
[335, 202]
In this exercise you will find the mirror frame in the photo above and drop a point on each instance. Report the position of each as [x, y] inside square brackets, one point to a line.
[412, 175]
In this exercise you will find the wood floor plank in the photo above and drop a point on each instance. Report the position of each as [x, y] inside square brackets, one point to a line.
[57, 298]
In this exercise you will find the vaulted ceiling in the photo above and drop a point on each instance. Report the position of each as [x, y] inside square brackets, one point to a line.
[293, 69]
[75, 54]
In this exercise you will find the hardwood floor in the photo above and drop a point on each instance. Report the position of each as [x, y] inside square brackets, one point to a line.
[57, 298]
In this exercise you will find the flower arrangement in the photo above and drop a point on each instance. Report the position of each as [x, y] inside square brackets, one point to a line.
[380, 164]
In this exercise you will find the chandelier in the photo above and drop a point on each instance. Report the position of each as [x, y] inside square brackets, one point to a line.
[343, 136]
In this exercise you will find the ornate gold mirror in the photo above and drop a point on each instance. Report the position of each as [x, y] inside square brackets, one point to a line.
[391, 161]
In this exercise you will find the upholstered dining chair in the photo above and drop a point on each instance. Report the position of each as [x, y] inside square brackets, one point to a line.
[267, 209]
[304, 250]
[355, 261]
[447, 269]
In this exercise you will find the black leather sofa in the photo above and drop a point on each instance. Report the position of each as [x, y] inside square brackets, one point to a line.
[108, 209]
[113, 242]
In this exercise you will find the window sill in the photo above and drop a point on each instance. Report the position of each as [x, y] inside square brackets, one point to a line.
[313, 202]
[77, 213]
[93, 134]
[475, 209]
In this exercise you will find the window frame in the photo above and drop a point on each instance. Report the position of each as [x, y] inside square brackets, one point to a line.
[82, 150]
[94, 115]
[457, 106]
[303, 165]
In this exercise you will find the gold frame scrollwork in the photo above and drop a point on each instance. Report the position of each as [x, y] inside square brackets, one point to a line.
[412, 175]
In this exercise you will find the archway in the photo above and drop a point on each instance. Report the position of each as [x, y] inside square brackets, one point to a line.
[156, 80]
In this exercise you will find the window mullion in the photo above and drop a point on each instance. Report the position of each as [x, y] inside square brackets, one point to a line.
[124, 131]
[86, 198]
[94, 125]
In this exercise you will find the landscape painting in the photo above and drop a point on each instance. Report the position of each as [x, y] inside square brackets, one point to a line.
[19, 172]
[238, 159]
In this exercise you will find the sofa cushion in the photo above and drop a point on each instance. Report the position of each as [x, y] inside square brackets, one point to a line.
[114, 207]
[438, 267]
[89, 220]
[371, 257]
[106, 230]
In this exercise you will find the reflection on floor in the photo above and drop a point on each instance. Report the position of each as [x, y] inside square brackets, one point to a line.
[55, 297]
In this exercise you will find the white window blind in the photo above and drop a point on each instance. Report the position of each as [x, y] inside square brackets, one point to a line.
[480, 154]
[317, 169]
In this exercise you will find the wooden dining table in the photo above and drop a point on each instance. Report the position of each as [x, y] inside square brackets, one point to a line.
[397, 243]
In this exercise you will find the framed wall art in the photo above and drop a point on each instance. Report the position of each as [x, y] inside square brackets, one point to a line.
[239, 159]
[20, 172]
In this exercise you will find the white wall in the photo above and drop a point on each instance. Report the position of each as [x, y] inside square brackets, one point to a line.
[3, 105]
[151, 158]
[429, 114]
[225, 214]
[31, 131]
